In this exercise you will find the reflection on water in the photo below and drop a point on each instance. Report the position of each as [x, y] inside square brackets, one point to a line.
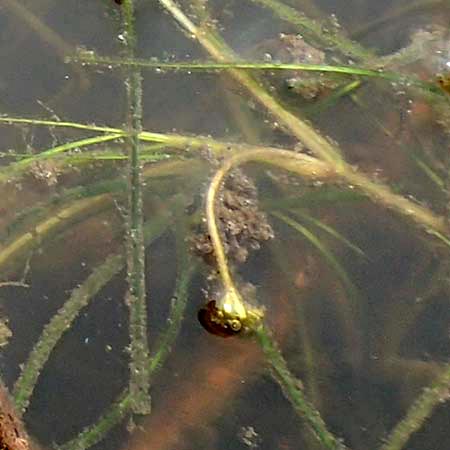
[355, 292]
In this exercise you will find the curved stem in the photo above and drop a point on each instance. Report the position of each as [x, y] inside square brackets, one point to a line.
[434, 224]
[213, 228]
[294, 162]
[231, 302]
[312, 168]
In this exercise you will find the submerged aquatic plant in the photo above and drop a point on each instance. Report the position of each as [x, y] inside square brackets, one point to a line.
[319, 165]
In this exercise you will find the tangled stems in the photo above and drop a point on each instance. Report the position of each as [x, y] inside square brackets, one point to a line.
[314, 169]
[232, 305]
[231, 310]
[287, 159]
[218, 50]
[124, 403]
[320, 146]
[66, 315]
[294, 162]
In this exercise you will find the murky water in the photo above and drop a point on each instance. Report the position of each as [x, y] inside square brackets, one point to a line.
[356, 292]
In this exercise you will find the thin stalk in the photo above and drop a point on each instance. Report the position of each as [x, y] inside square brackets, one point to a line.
[213, 228]
[419, 411]
[283, 158]
[136, 295]
[243, 65]
[176, 141]
[316, 31]
[293, 390]
[214, 189]
[409, 80]
[309, 167]
[56, 123]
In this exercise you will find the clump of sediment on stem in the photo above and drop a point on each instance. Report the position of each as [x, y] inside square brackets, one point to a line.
[244, 227]
[235, 225]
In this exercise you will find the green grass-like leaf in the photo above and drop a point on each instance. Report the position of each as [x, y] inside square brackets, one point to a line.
[331, 231]
[92, 59]
[321, 247]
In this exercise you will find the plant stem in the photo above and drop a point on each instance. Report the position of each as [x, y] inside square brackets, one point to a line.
[176, 141]
[293, 390]
[419, 411]
[136, 295]
[244, 65]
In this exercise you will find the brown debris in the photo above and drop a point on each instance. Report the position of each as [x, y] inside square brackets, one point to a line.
[293, 49]
[46, 172]
[12, 432]
[244, 227]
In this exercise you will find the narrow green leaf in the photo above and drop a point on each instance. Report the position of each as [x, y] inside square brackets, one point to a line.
[331, 231]
[321, 247]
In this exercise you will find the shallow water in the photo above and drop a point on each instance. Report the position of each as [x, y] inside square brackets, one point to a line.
[365, 330]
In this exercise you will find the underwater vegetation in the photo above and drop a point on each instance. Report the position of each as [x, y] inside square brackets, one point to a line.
[253, 253]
